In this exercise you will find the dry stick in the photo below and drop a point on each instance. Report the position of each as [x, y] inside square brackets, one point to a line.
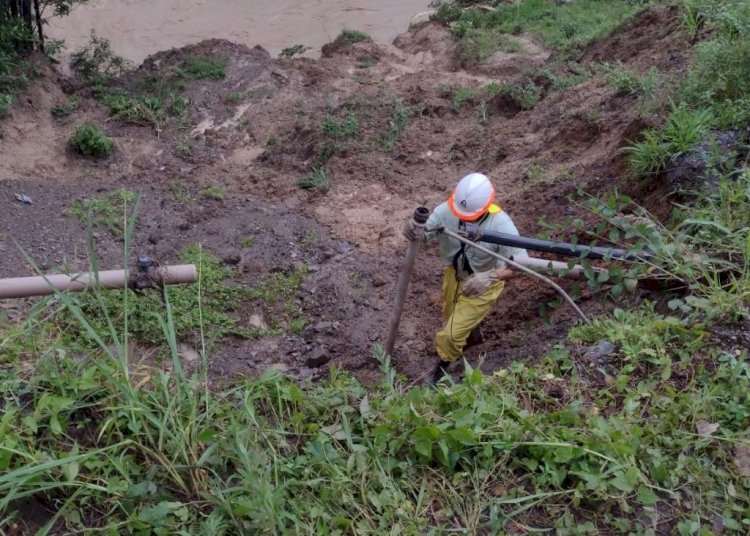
[517, 266]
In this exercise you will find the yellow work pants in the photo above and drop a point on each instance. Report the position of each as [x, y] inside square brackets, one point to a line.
[462, 314]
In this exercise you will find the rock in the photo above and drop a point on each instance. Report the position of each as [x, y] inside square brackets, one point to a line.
[378, 280]
[24, 199]
[323, 326]
[187, 354]
[599, 352]
[281, 367]
[256, 322]
[701, 167]
[318, 357]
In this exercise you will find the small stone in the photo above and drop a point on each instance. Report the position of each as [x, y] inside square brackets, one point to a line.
[599, 351]
[323, 326]
[187, 354]
[281, 367]
[313, 268]
[25, 199]
[378, 281]
[317, 357]
[256, 322]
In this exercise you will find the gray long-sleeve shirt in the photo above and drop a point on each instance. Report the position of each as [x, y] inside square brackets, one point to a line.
[478, 260]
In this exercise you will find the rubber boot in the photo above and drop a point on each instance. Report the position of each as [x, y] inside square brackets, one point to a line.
[475, 337]
[440, 370]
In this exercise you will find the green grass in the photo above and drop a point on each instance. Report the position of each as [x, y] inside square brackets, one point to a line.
[350, 37]
[560, 26]
[399, 120]
[214, 192]
[340, 128]
[460, 96]
[316, 180]
[628, 81]
[90, 140]
[200, 67]
[107, 211]
[64, 110]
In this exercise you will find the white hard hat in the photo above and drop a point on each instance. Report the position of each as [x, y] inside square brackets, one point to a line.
[472, 197]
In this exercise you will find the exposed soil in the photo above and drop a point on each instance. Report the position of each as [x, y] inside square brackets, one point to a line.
[258, 148]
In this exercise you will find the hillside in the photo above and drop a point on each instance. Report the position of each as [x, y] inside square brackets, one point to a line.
[262, 402]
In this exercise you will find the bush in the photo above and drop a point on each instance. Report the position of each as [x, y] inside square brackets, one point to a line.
[349, 37]
[89, 140]
[96, 63]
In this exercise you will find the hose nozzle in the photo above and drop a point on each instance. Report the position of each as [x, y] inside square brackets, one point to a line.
[421, 214]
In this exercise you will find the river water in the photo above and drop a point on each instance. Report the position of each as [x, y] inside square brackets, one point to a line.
[138, 28]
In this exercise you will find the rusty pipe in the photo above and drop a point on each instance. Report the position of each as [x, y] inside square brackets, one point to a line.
[43, 285]
[420, 219]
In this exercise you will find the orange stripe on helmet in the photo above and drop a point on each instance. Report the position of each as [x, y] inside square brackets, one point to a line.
[471, 217]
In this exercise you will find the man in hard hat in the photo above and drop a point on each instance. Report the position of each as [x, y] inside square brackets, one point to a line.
[473, 280]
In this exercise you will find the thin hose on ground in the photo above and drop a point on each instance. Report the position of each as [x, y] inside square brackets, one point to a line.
[519, 267]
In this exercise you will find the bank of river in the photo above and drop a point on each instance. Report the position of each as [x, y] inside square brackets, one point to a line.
[138, 28]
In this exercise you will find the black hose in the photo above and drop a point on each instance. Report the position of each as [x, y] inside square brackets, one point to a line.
[560, 248]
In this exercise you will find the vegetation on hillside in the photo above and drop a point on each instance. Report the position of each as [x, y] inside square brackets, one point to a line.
[649, 434]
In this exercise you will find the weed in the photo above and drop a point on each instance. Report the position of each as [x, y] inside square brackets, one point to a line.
[396, 124]
[460, 96]
[536, 172]
[246, 241]
[309, 238]
[680, 133]
[185, 148]
[349, 37]
[235, 97]
[317, 180]
[478, 45]
[214, 192]
[447, 12]
[290, 52]
[106, 211]
[89, 140]
[339, 129]
[628, 82]
[179, 192]
[483, 113]
[201, 67]
[368, 63]
[95, 63]
[525, 96]
[65, 110]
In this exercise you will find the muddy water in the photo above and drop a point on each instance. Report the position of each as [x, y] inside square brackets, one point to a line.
[138, 28]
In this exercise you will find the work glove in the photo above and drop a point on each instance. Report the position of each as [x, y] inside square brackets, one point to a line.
[479, 282]
[412, 231]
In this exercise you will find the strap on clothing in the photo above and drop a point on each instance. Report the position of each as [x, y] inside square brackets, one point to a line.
[459, 259]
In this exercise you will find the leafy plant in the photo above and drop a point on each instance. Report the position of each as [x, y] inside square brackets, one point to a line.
[96, 62]
[460, 96]
[89, 140]
[290, 52]
[65, 109]
[628, 82]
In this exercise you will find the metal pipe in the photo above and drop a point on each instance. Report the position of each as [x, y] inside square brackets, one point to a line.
[473, 232]
[43, 285]
[421, 214]
[520, 267]
[560, 269]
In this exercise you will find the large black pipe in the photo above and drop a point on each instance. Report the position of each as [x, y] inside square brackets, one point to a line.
[548, 246]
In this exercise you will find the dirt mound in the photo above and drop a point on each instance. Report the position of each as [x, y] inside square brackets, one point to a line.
[384, 131]
[653, 38]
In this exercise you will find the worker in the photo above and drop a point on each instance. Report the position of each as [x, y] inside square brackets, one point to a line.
[472, 280]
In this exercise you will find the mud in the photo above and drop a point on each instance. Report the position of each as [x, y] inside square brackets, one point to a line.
[137, 28]
[258, 149]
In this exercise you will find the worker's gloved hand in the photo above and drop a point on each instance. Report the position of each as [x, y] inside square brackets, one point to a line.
[478, 283]
[412, 231]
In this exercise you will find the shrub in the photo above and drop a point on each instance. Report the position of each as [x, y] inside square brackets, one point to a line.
[349, 37]
[89, 140]
[96, 62]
